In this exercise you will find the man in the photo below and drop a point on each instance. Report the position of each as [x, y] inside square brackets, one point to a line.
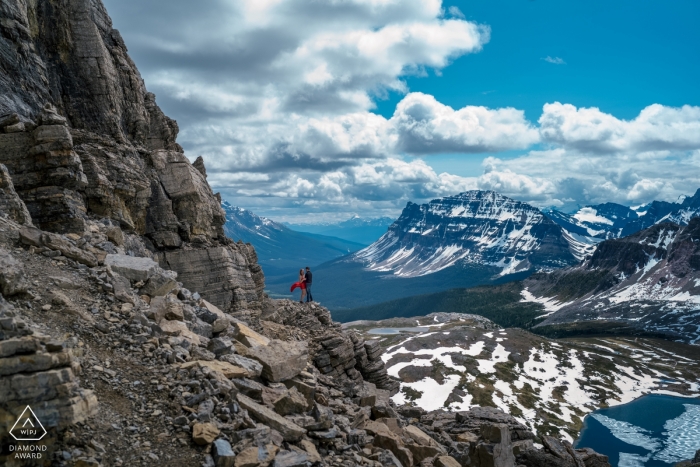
[309, 279]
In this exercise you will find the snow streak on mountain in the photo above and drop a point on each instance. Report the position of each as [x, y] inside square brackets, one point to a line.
[481, 227]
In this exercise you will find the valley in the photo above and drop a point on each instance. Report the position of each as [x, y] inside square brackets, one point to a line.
[460, 361]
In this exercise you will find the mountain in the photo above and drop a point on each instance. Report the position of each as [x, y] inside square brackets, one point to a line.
[281, 250]
[611, 220]
[645, 283]
[481, 227]
[474, 238]
[356, 229]
[648, 281]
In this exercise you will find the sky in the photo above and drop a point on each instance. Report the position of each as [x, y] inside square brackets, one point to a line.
[316, 110]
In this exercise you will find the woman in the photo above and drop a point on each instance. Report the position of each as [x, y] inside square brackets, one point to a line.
[301, 284]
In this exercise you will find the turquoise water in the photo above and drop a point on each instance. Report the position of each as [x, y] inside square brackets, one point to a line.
[386, 331]
[652, 431]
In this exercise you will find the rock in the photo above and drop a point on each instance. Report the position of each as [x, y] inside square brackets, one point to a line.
[393, 443]
[160, 284]
[223, 346]
[291, 402]
[280, 360]
[249, 388]
[204, 433]
[249, 337]
[417, 435]
[256, 456]
[12, 275]
[10, 203]
[311, 451]
[496, 449]
[446, 461]
[291, 459]
[289, 430]
[115, 235]
[133, 268]
[253, 368]
[222, 453]
[225, 368]
[555, 447]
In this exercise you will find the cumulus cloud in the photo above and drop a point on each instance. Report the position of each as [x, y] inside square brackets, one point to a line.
[277, 95]
[656, 128]
[425, 126]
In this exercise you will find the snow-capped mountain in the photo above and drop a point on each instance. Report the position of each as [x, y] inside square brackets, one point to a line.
[278, 247]
[649, 281]
[480, 227]
[611, 220]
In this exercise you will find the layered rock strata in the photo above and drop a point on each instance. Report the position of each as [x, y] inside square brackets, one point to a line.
[83, 139]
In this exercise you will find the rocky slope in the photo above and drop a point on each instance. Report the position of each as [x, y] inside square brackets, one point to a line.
[180, 382]
[648, 281]
[83, 139]
[611, 220]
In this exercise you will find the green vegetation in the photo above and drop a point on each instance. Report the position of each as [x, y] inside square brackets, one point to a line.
[499, 303]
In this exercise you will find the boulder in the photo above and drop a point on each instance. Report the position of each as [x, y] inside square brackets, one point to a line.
[222, 454]
[281, 360]
[393, 443]
[446, 461]
[133, 268]
[228, 370]
[253, 368]
[249, 337]
[291, 402]
[12, 280]
[289, 430]
[291, 459]
[256, 456]
[204, 433]
[10, 203]
[160, 284]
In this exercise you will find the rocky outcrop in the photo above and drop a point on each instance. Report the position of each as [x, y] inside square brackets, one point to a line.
[11, 205]
[39, 372]
[83, 139]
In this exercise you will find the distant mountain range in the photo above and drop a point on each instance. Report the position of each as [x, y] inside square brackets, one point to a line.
[645, 283]
[282, 251]
[612, 220]
[356, 229]
[471, 239]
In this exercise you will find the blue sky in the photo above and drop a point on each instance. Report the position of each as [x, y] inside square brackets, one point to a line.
[306, 111]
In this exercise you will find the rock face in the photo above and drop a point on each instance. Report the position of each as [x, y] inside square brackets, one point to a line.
[81, 137]
[38, 371]
[10, 203]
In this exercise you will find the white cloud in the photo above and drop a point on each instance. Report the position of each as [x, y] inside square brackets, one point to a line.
[554, 60]
[425, 126]
[657, 128]
[277, 95]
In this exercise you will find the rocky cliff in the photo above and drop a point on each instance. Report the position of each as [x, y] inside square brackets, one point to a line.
[83, 139]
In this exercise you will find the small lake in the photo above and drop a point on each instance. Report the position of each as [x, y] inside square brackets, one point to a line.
[388, 331]
[652, 431]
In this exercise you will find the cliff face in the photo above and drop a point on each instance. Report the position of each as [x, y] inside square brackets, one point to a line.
[82, 138]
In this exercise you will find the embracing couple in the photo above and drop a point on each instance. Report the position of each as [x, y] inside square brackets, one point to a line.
[305, 280]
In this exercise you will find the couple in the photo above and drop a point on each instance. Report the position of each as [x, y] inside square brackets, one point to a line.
[305, 280]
